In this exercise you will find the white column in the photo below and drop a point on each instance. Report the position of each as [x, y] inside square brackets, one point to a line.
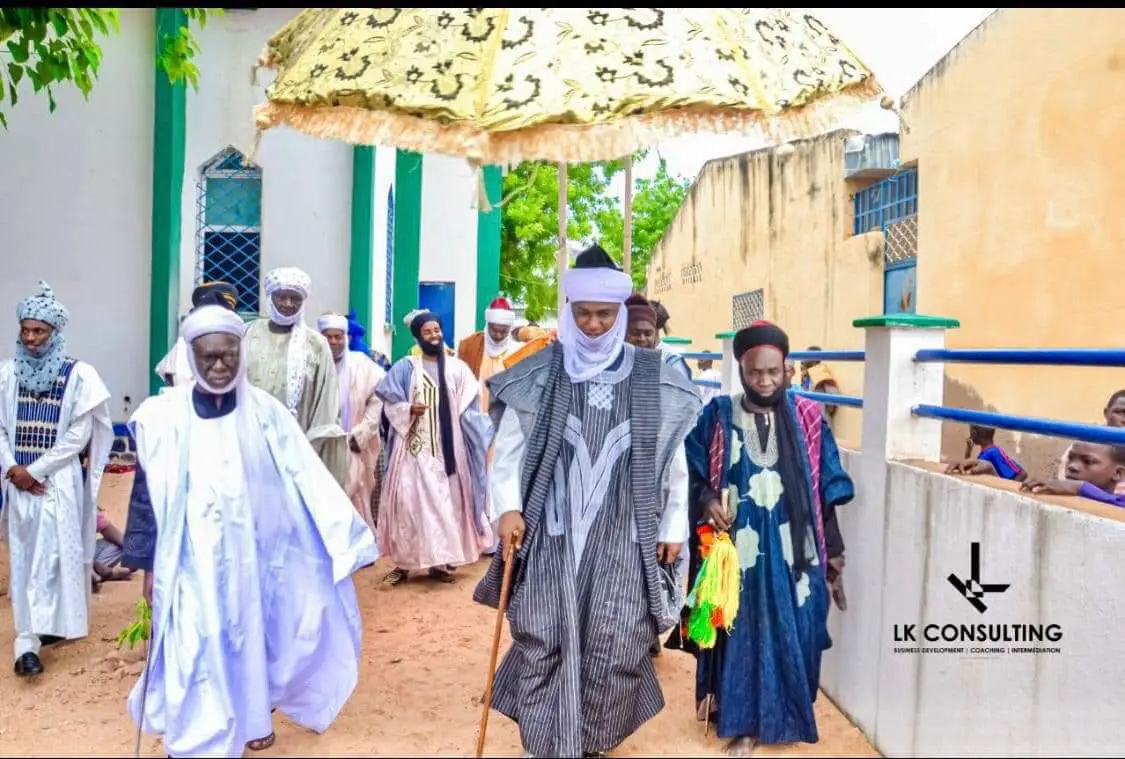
[893, 383]
[729, 367]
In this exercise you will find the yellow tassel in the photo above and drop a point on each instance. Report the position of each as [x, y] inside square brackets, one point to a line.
[716, 592]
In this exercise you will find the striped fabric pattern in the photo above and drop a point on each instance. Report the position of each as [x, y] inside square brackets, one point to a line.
[579, 677]
[37, 418]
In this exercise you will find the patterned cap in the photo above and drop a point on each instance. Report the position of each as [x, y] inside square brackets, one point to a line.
[44, 308]
[288, 278]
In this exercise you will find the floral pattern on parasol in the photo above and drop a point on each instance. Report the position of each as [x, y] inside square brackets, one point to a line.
[502, 85]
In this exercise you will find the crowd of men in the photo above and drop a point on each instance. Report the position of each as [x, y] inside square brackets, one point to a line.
[280, 459]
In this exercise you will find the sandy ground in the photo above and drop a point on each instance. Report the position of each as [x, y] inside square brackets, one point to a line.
[425, 652]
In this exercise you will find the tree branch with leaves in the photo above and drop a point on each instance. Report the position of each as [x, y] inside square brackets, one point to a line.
[529, 223]
[52, 46]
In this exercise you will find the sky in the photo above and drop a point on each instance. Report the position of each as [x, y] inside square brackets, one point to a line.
[899, 44]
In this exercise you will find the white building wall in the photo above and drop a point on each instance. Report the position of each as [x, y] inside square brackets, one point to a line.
[380, 338]
[449, 234]
[76, 210]
[306, 182]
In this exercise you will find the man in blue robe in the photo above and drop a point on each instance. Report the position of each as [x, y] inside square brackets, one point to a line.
[247, 562]
[775, 456]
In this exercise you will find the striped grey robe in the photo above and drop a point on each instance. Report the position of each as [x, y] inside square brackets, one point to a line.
[587, 598]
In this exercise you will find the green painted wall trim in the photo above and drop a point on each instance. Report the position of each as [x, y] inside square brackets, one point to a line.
[362, 264]
[408, 246]
[488, 243]
[725, 335]
[168, 145]
[912, 321]
[676, 340]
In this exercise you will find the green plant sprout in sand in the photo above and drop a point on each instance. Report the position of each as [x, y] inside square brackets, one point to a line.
[139, 630]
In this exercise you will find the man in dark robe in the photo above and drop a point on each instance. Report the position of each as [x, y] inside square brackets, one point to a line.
[588, 477]
[775, 455]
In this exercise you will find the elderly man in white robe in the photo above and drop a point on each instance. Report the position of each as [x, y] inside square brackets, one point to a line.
[52, 409]
[247, 561]
[293, 363]
[360, 411]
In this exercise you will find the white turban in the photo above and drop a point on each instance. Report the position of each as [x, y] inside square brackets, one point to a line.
[597, 285]
[212, 320]
[292, 279]
[333, 321]
[288, 278]
[209, 320]
[585, 357]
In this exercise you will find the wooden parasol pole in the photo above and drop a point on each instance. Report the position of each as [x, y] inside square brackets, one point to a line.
[562, 258]
[627, 237]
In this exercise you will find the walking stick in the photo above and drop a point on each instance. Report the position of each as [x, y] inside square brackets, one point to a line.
[505, 588]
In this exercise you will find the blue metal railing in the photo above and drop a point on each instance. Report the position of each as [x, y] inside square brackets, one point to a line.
[1101, 357]
[1093, 433]
[795, 356]
[1027, 356]
[832, 399]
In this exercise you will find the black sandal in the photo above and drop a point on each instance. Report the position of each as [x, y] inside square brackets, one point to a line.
[442, 575]
[261, 744]
[395, 576]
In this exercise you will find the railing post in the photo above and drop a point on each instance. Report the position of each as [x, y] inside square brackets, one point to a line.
[729, 367]
[676, 345]
[893, 383]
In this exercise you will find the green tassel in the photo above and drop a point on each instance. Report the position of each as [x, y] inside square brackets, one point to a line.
[700, 629]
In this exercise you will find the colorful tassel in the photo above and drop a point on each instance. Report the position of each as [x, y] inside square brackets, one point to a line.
[716, 591]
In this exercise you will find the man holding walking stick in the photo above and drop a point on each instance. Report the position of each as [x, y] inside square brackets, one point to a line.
[589, 439]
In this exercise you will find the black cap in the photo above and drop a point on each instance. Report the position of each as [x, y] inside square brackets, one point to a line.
[595, 257]
[215, 294]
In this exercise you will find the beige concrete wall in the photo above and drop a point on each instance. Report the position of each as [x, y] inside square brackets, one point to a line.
[962, 701]
[1017, 134]
[782, 223]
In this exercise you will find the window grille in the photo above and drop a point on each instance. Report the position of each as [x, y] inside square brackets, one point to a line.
[902, 241]
[886, 202]
[229, 226]
[747, 308]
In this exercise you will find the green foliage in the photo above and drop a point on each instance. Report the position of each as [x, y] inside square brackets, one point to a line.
[529, 223]
[139, 630]
[655, 204]
[50, 46]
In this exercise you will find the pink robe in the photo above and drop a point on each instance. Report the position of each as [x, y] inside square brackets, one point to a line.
[363, 408]
[426, 518]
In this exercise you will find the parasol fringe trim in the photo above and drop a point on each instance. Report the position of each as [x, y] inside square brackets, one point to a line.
[249, 157]
[561, 143]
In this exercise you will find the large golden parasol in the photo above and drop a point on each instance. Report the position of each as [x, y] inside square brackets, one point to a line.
[504, 85]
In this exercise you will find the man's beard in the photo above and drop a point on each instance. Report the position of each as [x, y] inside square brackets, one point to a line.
[763, 401]
[430, 349]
